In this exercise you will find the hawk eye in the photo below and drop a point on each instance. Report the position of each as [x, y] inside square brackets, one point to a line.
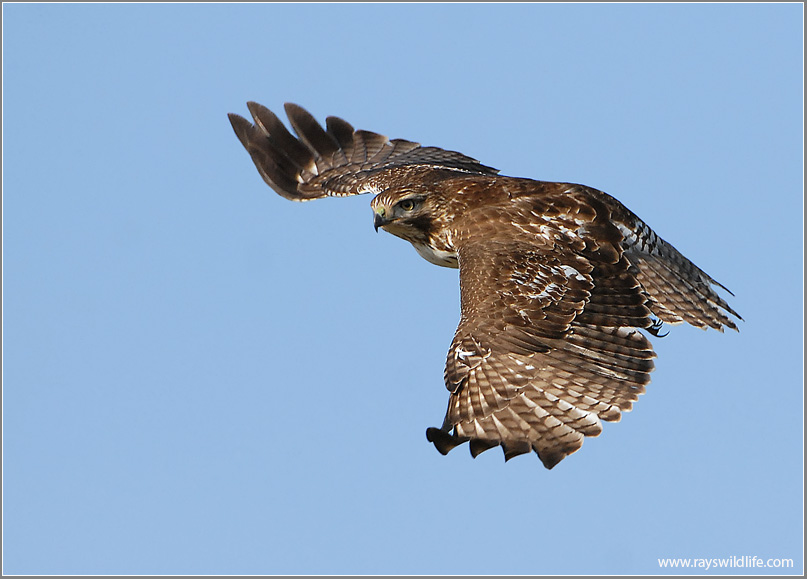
[407, 205]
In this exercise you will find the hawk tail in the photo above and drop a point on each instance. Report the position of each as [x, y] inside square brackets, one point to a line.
[677, 289]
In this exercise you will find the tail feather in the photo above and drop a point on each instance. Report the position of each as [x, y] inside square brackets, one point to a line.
[677, 297]
[677, 289]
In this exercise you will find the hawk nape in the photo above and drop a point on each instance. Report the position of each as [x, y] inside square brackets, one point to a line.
[556, 279]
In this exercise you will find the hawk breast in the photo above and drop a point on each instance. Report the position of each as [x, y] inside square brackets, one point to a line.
[437, 256]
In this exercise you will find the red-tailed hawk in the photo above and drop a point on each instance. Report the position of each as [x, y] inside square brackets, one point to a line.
[556, 279]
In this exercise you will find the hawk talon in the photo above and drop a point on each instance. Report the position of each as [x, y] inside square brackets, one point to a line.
[655, 328]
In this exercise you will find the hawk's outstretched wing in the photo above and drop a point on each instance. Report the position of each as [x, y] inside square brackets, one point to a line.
[336, 161]
[546, 347]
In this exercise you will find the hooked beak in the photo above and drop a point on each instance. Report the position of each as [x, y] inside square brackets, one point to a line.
[379, 221]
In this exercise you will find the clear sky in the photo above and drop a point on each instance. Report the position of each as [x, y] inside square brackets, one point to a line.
[203, 377]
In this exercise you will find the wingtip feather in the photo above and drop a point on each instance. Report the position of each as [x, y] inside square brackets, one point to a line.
[443, 441]
[242, 128]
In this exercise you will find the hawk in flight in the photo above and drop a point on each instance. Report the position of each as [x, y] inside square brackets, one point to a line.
[556, 279]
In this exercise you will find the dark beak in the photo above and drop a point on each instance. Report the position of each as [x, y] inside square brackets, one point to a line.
[379, 221]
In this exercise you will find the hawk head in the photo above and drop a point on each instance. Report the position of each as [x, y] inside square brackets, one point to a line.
[407, 214]
[417, 215]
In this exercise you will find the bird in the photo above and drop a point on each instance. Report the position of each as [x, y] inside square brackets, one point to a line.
[560, 283]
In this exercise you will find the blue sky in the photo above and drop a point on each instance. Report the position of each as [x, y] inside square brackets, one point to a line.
[202, 377]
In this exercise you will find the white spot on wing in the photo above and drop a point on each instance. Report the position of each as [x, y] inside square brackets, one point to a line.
[463, 354]
[548, 292]
[569, 271]
[370, 188]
